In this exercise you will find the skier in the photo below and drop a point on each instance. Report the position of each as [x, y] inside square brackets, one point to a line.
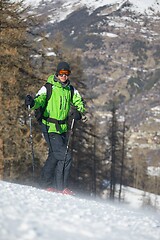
[55, 172]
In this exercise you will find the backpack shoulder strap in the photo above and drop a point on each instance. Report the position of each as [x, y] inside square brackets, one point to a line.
[72, 91]
[40, 111]
[49, 91]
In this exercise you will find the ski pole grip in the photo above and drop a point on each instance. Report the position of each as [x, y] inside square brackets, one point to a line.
[73, 120]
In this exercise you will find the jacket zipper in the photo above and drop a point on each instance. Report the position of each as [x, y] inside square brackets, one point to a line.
[65, 103]
[60, 102]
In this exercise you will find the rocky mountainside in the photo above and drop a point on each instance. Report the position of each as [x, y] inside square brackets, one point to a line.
[121, 52]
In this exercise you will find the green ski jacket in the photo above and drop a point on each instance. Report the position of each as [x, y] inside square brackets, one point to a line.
[58, 106]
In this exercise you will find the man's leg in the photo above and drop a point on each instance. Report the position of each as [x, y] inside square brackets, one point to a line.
[48, 170]
[62, 168]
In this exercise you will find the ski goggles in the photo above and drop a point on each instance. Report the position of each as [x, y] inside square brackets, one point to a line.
[64, 72]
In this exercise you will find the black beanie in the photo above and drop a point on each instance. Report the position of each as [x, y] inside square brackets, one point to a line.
[63, 66]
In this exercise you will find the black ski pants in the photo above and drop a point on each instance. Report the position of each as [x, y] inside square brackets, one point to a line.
[55, 172]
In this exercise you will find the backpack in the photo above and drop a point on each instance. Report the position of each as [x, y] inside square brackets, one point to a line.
[40, 111]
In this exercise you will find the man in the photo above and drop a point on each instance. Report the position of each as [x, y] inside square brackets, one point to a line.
[56, 169]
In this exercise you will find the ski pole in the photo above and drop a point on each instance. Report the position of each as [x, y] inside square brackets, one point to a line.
[67, 147]
[69, 137]
[31, 141]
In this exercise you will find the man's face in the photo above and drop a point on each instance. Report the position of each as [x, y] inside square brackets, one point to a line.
[63, 75]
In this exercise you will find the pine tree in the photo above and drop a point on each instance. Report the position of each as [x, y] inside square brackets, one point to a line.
[116, 151]
[114, 143]
[15, 72]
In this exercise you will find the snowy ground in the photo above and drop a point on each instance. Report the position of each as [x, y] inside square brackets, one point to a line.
[27, 213]
[136, 198]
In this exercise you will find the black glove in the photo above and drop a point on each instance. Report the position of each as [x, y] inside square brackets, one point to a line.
[29, 101]
[76, 115]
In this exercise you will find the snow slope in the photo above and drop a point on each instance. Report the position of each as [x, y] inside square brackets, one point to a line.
[140, 6]
[27, 213]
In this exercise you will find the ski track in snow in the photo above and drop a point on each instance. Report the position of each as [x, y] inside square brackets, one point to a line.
[28, 213]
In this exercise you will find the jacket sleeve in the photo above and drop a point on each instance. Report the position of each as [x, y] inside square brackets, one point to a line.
[77, 101]
[40, 99]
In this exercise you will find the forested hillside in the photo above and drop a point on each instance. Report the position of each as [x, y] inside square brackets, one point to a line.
[23, 73]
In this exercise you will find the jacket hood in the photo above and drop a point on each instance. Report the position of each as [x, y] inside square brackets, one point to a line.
[51, 79]
[54, 80]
